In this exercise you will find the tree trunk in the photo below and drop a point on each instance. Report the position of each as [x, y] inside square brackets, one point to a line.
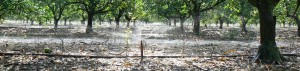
[181, 25]
[65, 24]
[70, 22]
[244, 24]
[216, 24]
[40, 23]
[109, 20]
[128, 23]
[268, 51]
[128, 18]
[296, 18]
[169, 22]
[134, 22]
[221, 23]
[298, 23]
[227, 23]
[89, 28]
[256, 24]
[100, 20]
[117, 22]
[31, 22]
[46, 22]
[175, 21]
[83, 18]
[83, 21]
[55, 23]
[196, 19]
[283, 24]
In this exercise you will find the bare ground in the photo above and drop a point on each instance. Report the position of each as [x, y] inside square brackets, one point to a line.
[159, 40]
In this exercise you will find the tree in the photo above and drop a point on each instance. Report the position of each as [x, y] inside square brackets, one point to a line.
[93, 7]
[198, 6]
[29, 8]
[33, 10]
[8, 7]
[164, 9]
[151, 12]
[268, 51]
[133, 11]
[70, 13]
[289, 6]
[56, 7]
[3, 6]
[180, 10]
[298, 4]
[241, 9]
[118, 12]
[221, 14]
[43, 13]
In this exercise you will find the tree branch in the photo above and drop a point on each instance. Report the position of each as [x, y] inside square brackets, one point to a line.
[209, 8]
[298, 4]
[102, 10]
[85, 5]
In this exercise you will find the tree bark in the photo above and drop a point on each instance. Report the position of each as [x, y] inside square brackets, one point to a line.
[221, 23]
[83, 21]
[268, 51]
[55, 23]
[128, 20]
[227, 23]
[196, 19]
[40, 23]
[100, 20]
[31, 22]
[117, 22]
[128, 23]
[89, 28]
[83, 18]
[217, 23]
[181, 25]
[256, 24]
[65, 24]
[169, 22]
[283, 24]
[175, 21]
[298, 24]
[244, 24]
[296, 18]
[134, 22]
[109, 20]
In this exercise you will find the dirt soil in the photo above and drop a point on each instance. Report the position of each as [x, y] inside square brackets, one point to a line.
[158, 40]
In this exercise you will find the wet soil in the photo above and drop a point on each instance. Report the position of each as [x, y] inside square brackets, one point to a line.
[158, 40]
